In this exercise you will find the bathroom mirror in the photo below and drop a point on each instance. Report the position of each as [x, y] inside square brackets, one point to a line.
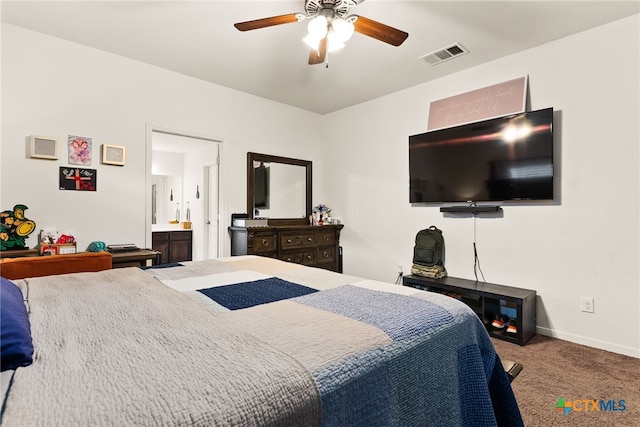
[278, 188]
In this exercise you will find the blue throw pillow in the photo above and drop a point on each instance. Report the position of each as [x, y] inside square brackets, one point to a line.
[15, 329]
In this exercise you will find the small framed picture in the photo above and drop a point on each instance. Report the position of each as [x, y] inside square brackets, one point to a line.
[113, 155]
[43, 147]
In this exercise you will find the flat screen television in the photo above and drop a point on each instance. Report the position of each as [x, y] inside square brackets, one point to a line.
[495, 160]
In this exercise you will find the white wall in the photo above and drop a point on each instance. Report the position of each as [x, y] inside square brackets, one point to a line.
[54, 88]
[585, 245]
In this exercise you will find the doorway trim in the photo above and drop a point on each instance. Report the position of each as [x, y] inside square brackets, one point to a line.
[149, 130]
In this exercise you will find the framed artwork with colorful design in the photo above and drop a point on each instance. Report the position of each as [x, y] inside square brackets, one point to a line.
[78, 179]
[80, 150]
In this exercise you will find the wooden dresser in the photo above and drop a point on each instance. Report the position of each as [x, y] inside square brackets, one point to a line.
[316, 246]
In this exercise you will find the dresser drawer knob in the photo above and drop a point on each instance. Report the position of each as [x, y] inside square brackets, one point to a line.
[325, 238]
[325, 254]
[265, 242]
[289, 241]
[309, 239]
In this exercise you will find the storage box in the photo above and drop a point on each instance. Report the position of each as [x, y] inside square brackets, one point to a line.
[57, 248]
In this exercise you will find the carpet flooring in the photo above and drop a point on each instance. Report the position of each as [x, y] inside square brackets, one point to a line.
[582, 376]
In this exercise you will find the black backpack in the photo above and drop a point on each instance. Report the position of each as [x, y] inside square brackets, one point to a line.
[429, 248]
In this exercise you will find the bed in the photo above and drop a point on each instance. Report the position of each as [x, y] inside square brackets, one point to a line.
[248, 341]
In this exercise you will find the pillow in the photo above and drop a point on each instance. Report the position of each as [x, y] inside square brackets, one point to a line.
[15, 329]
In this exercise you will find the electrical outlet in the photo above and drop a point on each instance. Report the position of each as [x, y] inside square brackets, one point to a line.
[586, 304]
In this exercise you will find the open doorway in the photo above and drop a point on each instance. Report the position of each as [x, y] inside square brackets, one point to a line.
[184, 187]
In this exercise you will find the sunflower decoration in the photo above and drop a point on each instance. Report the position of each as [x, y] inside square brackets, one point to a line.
[15, 228]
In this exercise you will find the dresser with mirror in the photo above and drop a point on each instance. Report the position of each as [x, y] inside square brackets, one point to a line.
[276, 224]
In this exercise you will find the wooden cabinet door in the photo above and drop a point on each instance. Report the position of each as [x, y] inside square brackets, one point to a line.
[160, 243]
[180, 246]
[180, 251]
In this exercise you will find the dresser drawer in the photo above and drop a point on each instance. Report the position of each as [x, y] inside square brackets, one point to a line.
[260, 243]
[298, 240]
[326, 238]
[326, 255]
[300, 257]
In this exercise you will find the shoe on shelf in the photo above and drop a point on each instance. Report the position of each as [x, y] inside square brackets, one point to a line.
[512, 328]
[500, 321]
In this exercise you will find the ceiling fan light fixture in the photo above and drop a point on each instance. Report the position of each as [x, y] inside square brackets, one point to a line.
[312, 42]
[337, 33]
[342, 29]
[333, 42]
[318, 27]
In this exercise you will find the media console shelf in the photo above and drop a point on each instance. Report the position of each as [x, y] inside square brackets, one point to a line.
[487, 300]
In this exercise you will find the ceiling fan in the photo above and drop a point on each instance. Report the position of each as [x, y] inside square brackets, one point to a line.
[330, 26]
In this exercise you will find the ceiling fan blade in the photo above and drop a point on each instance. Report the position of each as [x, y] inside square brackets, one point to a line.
[380, 31]
[266, 22]
[318, 56]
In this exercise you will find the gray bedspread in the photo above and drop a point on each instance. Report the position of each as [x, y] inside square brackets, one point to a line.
[117, 348]
[250, 341]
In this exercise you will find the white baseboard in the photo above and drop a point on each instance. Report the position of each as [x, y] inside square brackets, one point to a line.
[590, 342]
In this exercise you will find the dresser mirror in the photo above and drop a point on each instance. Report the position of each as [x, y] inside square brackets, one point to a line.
[278, 188]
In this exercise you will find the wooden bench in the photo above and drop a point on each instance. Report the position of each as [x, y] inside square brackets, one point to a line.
[20, 268]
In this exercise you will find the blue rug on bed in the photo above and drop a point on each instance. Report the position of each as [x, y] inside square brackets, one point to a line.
[248, 294]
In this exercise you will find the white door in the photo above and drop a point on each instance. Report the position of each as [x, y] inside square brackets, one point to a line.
[212, 211]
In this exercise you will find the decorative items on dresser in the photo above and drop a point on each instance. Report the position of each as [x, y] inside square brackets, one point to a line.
[316, 246]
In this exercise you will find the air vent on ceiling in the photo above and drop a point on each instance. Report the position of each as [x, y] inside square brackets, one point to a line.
[445, 54]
